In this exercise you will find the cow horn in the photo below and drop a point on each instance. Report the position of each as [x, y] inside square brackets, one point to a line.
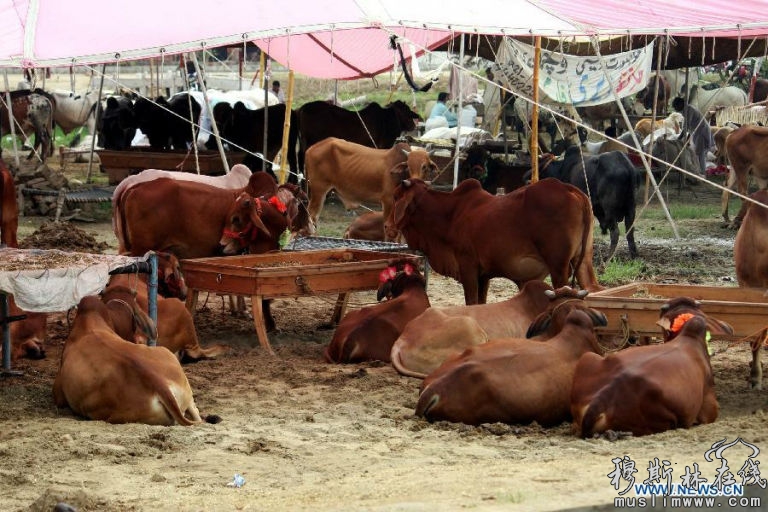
[407, 183]
[550, 293]
[405, 151]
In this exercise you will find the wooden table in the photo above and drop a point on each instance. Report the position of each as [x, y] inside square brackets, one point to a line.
[289, 274]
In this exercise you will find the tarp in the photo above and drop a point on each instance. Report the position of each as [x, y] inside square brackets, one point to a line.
[39, 33]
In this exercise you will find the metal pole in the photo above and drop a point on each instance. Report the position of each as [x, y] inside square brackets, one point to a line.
[534, 143]
[6, 332]
[207, 106]
[457, 149]
[152, 306]
[11, 119]
[93, 135]
[266, 120]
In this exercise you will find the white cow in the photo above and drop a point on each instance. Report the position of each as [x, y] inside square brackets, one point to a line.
[706, 100]
[75, 110]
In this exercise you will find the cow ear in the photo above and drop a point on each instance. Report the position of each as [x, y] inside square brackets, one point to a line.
[143, 326]
[399, 209]
[399, 173]
[716, 326]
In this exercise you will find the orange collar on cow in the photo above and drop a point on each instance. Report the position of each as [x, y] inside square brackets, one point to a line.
[680, 322]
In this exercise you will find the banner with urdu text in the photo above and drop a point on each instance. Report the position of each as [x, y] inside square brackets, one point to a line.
[579, 81]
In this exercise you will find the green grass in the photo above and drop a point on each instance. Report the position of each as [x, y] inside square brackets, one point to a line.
[618, 272]
[60, 138]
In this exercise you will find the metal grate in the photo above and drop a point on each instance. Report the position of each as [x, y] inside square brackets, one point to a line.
[308, 243]
[93, 195]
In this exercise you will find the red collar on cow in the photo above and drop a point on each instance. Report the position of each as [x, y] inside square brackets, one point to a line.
[251, 231]
[277, 203]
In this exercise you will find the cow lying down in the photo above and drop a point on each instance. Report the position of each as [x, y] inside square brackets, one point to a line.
[512, 380]
[650, 389]
[438, 334]
[102, 377]
[367, 334]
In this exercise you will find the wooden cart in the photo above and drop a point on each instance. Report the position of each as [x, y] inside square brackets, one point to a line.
[633, 309]
[288, 274]
[120, 164]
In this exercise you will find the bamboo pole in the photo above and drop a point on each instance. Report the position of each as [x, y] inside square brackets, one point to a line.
[201, 83]
[534, 142]
[457, 149]
[286, 129]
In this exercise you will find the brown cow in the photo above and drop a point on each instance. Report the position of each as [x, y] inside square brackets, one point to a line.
[440, 333]
[27, 335]
[747, 149]
[650, 389]
[511, 380]
[749, 253]
[720, 134]
[181, 217]
[368, 333]
[472, 236]
[175, 327]
[9, 210]
[368, 226]
[254, 224]
[103, 377]
[358, 173]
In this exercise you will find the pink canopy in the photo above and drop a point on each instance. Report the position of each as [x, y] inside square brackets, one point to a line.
[312, 36]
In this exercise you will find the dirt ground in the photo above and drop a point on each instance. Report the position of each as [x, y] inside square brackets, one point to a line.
[307, 435]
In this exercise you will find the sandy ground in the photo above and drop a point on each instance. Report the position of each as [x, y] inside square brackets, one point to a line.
[307, 435]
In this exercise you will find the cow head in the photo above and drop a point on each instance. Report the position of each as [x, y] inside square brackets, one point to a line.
[676, 312]
[394, 278]
[117, 124]
[170, 279]
[405, 116]
[561, 302]
[419, 164]
[254, 224]
[296, 202]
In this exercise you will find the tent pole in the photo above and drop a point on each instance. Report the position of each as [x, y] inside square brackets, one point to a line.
[286, 129]
[457, 149]
[94, 135]
[534, 143]
[654, 108]
[266, 119]
[11, 119]
[207, 107]
[639, 147]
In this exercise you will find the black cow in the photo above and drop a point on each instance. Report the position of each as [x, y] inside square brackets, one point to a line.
[373, 126]
[492, 172]
[166, 123]
[612, 184]
[244, 128]
[116, 125]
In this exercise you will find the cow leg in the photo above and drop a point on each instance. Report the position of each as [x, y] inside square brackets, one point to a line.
[727, 195]
[470, 282]
[482, 290]
[756, 366]
[614, 234]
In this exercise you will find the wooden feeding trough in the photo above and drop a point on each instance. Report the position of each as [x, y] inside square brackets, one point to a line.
[120, 164]
[633, 309]
[288, 274]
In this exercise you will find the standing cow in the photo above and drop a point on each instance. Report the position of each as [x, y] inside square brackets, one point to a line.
[747, 149]
[32, 111]
[472, 236]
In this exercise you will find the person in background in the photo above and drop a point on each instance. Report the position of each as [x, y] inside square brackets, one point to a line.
[277, 91]
[697, 128]
[441, 110]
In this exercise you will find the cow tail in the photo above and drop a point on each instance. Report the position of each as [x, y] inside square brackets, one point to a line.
[168, 400]
[586, 236]
[397, 362]
[118, 224]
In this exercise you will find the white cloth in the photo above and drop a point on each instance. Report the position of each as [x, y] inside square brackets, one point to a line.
[48, 281]
[468, 116]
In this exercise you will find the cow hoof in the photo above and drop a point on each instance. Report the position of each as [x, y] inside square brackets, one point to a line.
[64, 507]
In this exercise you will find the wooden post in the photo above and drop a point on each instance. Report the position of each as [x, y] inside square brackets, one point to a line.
[286, 130]
[534, 143]
[457, 149]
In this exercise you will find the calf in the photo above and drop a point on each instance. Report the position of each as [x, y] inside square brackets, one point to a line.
[750, 254]
[368, 333]
[609, 181]
[473, 236]
[438, 334]
[175, 327]
[511, 380]
[650, 389]
[368, 226]
[359, 173]
[102, 377]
